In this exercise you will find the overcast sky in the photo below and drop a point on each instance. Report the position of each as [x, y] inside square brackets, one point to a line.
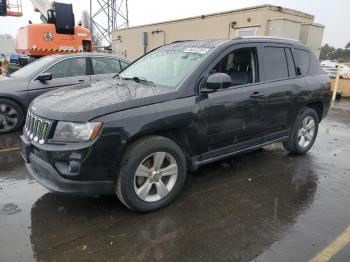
[333, 14]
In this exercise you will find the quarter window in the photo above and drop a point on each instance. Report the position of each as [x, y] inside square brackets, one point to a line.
[304, 60]
[275, 63]
[105, 65]
[315, 66]
[68, 68]
[240, 65]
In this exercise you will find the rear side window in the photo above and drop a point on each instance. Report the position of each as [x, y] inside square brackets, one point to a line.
[105, 65]
[304, 60]
[276, 66]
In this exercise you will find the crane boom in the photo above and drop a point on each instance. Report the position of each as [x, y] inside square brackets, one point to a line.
[42, 6]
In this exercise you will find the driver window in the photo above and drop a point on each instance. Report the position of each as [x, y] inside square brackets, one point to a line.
[240, 65]
[68, 68]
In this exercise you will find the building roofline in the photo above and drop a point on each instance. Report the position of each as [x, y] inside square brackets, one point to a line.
[272, 39]
[314, 24]
[270, 7]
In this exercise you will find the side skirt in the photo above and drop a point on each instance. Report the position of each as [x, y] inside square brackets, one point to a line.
[196, 162]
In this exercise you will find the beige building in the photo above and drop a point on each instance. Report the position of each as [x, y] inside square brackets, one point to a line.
[263, 20]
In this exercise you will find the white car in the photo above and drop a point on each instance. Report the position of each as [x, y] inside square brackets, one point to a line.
[330, 68]
[330, 71]
[344, 71]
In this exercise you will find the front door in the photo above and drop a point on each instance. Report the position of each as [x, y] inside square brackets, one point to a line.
[71, 71]
[232, 116]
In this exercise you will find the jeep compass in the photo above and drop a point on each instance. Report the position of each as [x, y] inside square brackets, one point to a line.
[178, 107]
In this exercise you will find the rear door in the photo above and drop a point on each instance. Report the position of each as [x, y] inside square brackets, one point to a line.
[67, 72]
[317, 82]
[282, 89]
[105, 67]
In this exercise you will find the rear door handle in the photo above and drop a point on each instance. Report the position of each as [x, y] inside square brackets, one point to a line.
[81, 80]
[256, 95]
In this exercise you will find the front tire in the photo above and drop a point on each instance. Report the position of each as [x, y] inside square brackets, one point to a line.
[152, 174]
[304, 132]
[11, 116]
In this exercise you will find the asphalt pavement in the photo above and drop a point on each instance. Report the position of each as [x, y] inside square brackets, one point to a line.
[266, 205]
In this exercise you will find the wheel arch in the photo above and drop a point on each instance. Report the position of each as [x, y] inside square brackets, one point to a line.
[17, 101]
[318, 107]
[176, 135]
[21, 114]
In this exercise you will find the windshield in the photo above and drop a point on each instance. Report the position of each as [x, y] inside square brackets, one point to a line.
[166, 66]
[33, 67]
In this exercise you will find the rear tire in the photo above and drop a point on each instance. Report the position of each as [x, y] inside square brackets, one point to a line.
[11, 116]
[303, 133]
[152, 174]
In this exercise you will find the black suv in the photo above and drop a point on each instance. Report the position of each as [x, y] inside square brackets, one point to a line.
[178, 107]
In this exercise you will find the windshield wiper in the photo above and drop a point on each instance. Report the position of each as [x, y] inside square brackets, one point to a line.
[119, 76]
[140, 80]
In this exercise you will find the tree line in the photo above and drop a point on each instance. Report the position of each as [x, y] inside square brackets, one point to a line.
[341, 55]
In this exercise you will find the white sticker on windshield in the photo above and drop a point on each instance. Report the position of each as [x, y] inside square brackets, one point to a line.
[198, 50]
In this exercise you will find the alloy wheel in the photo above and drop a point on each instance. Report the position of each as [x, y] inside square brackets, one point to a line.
[155, 177]
[306, 131]
[8, 118]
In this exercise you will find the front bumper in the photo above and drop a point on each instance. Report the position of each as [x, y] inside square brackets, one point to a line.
[44, 173]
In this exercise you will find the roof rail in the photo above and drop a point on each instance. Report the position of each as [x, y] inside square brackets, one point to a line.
[266, 37]
[180, 41]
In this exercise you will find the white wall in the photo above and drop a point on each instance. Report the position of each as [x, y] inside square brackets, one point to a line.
[7, 46]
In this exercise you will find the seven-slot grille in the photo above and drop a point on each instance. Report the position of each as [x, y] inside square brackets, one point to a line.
[36, 128]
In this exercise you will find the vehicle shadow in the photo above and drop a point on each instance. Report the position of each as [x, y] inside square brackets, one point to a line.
[231, 210]
[8, 141]
[9, 151]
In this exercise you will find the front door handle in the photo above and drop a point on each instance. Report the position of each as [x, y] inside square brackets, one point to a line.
[81, 80]
[256, 95]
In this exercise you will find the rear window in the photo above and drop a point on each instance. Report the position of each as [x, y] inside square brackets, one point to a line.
[276, 63]
[304, 60]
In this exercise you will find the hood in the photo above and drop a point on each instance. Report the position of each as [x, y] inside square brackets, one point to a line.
[3, 77]
[7, 77]
[85, 102]
[9, 84]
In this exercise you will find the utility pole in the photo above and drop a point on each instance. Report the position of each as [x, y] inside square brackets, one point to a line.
[106, 16]
[90, 23]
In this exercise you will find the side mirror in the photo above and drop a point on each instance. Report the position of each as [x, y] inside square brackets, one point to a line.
[217, 81]
[299, 71]
[44, 77]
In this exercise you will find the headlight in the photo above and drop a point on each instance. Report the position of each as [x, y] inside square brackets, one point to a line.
[76, 132]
